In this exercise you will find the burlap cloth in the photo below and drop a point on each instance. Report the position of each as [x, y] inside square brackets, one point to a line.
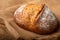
[9, 30]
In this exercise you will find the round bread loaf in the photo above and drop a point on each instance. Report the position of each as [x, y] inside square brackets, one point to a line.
[36, 18]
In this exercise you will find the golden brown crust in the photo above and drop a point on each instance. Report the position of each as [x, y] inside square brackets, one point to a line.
[29, 14]
[29, 18]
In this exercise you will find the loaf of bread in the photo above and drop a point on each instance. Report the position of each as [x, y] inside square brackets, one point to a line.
[36, 18]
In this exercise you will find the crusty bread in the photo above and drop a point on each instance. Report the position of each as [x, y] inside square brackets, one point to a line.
[29, 16]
